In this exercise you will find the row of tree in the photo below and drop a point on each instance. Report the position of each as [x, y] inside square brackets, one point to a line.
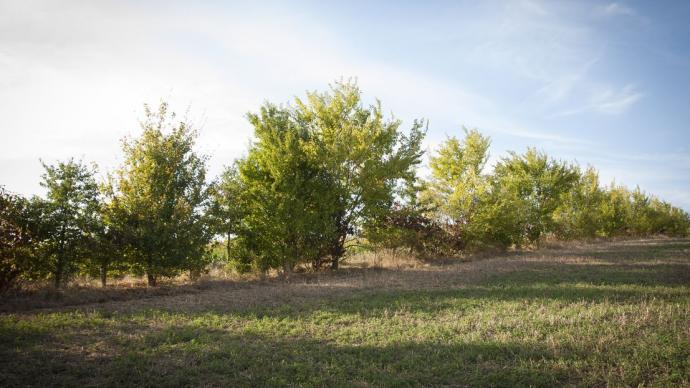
[524, 199]
[321, 175]
[150, 217]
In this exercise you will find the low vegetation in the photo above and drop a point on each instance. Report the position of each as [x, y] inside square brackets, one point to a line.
[606, 314]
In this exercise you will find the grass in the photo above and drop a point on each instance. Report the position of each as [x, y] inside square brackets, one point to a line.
[605, 314]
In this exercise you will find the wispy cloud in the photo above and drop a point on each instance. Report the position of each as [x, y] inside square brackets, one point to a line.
[89, 95]
[678, 159]
[606, 101]
[534, 6]
[74, 75]
[615, 102]
[614, 9]
[561, 87]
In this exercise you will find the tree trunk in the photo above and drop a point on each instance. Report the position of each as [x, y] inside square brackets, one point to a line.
[227, 246]
[151, 279]
[58, 272]
[337, 252]
[57, 279]
[287, 269]
[149, 271]
[104, 274]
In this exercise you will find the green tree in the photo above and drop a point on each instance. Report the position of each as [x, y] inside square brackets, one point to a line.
[364, 157]
[579, 215]
[159, 198]
[106, 245]
[70, 213]
[669, 220]
[287, 199]
[227, 208]
[615, 211]
[458, 188]
[19, 238]
[532, 185]
[316, 173]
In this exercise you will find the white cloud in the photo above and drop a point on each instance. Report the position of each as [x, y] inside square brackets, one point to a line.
[74, 78]
[563, 86]
[534, 6]
[73, 75]
[615, 102]
[613, 9]
[605, 101]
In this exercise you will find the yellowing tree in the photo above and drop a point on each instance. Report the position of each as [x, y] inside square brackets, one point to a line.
[159, 197]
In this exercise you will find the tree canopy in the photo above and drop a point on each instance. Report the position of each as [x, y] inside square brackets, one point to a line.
[159, 196]
[324, 175]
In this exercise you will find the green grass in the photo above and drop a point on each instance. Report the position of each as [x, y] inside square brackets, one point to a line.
[616, 314]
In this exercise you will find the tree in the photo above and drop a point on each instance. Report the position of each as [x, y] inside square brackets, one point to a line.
[18, 239]
[287, 199]
[227, 208]
[159, 198]
[533, 184]
[363, 156]
[106, 245]
[615, 211]
[409, 226]
[579, 214]
[315, 174]
[69, 215]
[458, 190]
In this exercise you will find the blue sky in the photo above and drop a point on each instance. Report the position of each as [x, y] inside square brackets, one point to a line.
[602, 83]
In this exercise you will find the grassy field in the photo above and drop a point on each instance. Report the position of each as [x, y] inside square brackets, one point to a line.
[606, 314]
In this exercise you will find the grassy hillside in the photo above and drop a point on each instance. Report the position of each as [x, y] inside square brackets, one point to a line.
[614, 313]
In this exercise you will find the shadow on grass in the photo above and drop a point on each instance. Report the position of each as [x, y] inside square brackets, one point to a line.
[176, 346]
[191, 356]
[629, 260]
[536, 282]
[675, 249]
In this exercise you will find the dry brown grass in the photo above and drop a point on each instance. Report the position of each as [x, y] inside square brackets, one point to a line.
[386, 269]
[603, 314]
[384, 258]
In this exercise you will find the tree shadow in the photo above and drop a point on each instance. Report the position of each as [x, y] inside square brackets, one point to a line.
[184, 356]
[183, 350]
[533, 282]
[130, 348]
[193, 355]
[673, 249]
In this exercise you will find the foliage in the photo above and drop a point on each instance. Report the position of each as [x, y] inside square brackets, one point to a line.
[458, 191]
[107, 245]
[364, 156]
[287, 200]
[634, 213]
[69, 217]
[579, 214]
[18, 239]
[534, 184]
[530, 196]
[159, 196]
[322, 174]
[457, 175]
[317, 173]
[407, 227]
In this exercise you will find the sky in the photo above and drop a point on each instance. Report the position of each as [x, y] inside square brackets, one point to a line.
[600, 83]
